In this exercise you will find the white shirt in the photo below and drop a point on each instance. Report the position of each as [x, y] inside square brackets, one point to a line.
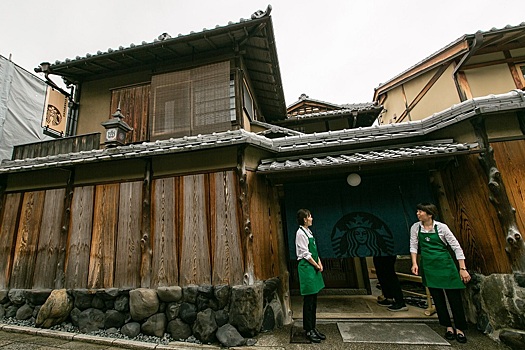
[444, 234]
[301, 243]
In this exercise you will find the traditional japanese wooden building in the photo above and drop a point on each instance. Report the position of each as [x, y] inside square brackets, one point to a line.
[204, 189]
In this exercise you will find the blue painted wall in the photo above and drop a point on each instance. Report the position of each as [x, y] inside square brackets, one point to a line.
[370, 219]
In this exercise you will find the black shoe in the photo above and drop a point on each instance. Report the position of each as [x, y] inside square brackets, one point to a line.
[311, 336]
[449, 335]
[319, 334]
[385, 302]
[461, 338]
[397, 307]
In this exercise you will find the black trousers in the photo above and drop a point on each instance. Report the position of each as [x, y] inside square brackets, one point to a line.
[386, 275]
[309, 311]
[456, 306]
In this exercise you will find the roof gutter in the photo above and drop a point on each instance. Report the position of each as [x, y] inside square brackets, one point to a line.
[478, 41]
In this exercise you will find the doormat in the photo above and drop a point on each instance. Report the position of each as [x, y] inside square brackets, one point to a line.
[389, 332]
[297, 335]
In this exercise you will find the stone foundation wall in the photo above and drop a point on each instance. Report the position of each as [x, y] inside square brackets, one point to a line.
[221, 313]
[496, 304]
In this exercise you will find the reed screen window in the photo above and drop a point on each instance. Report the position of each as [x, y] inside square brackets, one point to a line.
[191, 102]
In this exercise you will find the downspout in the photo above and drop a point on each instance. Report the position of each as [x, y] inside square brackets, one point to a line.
[73, 111]
[478, 41]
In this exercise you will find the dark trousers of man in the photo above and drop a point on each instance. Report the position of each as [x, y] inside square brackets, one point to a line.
[456, 305]
[386, 275]
[309, 311]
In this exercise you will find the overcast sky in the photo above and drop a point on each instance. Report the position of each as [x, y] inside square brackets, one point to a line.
[333, 50]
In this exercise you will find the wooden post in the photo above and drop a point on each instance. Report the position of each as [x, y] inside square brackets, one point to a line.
[249, 276]
[145, 242]
[515, 246]
[276, 194]
[64, 232]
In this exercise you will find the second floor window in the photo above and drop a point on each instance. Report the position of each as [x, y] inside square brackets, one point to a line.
[190, 102]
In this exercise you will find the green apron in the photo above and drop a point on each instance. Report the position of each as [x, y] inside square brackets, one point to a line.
[311, 281]
[437, 266]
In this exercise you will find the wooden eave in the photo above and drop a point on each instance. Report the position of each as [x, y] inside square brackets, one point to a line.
[449, 53]
[253, 39]
[495, 40]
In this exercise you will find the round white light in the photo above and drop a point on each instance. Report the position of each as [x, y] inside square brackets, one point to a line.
[353, 179]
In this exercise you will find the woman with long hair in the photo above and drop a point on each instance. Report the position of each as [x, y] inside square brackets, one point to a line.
[310, 277]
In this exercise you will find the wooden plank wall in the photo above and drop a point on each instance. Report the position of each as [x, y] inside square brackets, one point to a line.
[8, 228]
[165, 232]
[196, 233]
[265, 217]
[127, 269]
[49, 240]
[510, 159]
[227, 254]
[79, 245]
[104, 236]
[465, 205]
[27, 240]
[195, 267]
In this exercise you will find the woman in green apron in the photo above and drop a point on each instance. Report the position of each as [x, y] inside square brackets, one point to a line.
[438, 270]
[310, 277]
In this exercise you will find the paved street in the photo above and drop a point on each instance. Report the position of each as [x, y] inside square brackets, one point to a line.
[27, 338]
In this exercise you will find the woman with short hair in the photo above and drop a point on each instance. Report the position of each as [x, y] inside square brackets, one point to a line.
[438, 270]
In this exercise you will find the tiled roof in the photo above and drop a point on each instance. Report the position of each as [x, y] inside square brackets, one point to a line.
[359, 136]
[274, 129]
[465, 37]
[345, 109]
[163, 40]
[253, 36]
[145, 149]
[409, 152]
[385, 141]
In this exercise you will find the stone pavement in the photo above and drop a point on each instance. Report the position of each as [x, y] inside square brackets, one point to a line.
[28, 338]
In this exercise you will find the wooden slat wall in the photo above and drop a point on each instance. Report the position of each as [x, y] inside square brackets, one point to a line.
[164, 234]
[195, 255]
[79, 245]
[134, 105]
[8, 228]
[472, 218]
[510, 159]
[27, 240]
[57, 146]
[195, 234]
[227, 251]
[127, 270]
[49, 240]
[103, 242]
[263, 217]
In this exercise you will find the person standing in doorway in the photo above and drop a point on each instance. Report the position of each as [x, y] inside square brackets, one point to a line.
[310, 277]
[437, 268]
[390, 286]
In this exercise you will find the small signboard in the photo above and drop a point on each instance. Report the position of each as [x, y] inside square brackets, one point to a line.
[55, 113]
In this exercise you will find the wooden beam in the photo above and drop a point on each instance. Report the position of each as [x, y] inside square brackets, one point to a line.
[515, 247]
[145, 242]
[249, 270]
[424, 91]
[64, 231]
[516, 76]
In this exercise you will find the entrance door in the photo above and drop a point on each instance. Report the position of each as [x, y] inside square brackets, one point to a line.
[351, 223]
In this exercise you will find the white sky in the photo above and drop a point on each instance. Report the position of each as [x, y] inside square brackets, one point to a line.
[334, 50]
